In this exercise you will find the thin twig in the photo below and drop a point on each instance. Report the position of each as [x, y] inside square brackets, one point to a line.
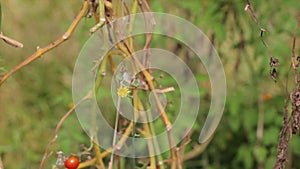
[41, 51]
[1, 164]
[260, 122]
[163, 115]
[295, 66]
[286, 132]
[197, 149]
[149, 35]
[110, 165]
[139, 107]
[132, 18]
[58, 127]
[262, 30]
[284, 139]
[98, 154]
[93, 10]
[273, 61]
[115, 9]
[88, 163]
[11, 41]
[111, 149]
[180, 150]
[179, 158]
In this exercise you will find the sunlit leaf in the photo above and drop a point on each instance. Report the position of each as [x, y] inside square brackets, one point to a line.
[244, 156]
[260, 154]
[270, 136]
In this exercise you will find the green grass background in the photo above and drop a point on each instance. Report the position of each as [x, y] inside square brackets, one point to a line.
[36, 97]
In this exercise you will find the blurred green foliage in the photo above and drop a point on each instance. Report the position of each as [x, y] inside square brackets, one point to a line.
[35, 98]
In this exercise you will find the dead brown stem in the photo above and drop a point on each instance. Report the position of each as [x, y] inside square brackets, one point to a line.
[1, 164]
[41, 51]
[144, 6]
[295, 66]
[198, 149]
[11, 41]
[287, 130]
[273, 61]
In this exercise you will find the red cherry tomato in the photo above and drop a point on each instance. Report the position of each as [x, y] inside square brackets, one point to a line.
[267, 96]
[72, 162]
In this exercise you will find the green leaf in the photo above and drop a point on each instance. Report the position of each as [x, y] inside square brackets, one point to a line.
[2, 69]
[234, 123]
[119, 76]
[270, 162]
[135, 83]
[244, 156]
[295, 144]
[249, 120]
[260, 154]
[271, 136]
[235, 104]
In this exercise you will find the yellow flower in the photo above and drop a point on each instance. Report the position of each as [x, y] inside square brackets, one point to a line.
[71, 105]
[123, 91]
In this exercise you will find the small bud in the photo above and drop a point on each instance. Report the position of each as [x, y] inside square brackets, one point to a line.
[273, 74]
[274, 62]
[246, 7]
[60, 162]
[65, 36]
[262, 30]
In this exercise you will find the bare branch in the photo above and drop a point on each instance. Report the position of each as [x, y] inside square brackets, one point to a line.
[1, 164]
[11, 41]
[41, 51]
[58, 127]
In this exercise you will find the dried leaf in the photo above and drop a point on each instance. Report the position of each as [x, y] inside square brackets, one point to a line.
[262, 30]
[296, 119]
[298, 60]
[10, 41]
[273, 74]
[274, 62]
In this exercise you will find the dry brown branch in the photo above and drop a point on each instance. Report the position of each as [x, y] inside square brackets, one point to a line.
[1, 164]
[273, 61]
[180, 150]
[163, 114]
[43, 50]
[293, 98]
[88, 163]
[147, 132]
[284, 138]
[11, 41]
[111, 149]
[295, 65]
[262, 30]
[144, 6]
[98, 154]
[197, 149]
[260, 122]
[93, 5]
